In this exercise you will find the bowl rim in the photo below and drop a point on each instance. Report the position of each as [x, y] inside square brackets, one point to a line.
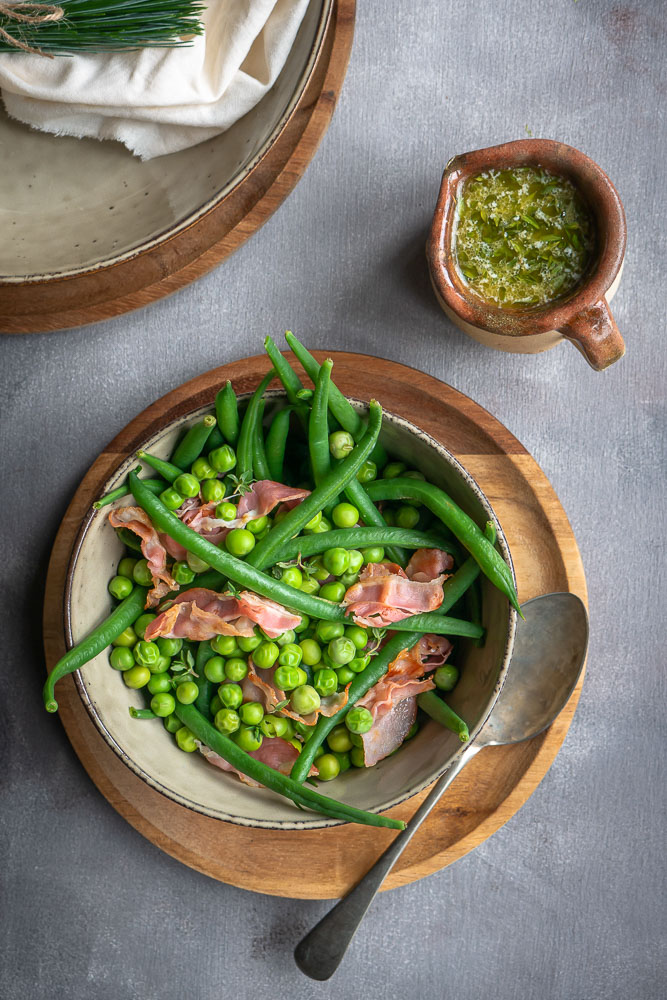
[195, 216]
[317, 822]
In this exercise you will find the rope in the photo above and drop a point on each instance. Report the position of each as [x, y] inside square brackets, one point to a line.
[42, 14]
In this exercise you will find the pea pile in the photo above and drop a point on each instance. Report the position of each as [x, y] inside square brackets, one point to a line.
[302, 558]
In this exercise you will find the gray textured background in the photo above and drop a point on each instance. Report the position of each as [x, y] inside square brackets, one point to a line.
[567, 901]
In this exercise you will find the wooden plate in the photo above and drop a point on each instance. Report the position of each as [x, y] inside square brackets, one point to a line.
[100, 293]
[496, 782]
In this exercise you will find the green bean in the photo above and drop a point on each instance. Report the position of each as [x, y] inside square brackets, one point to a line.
[360, 538]
[125, 614]
[473, 604]
[155, 485]
[440, 711]
[167, 470]
[193, 443]
[490, 562]
[216, 440]
[244, 452]
[259, 459]
[142, 713]
[206, 688]
[270, 778]
[370, 515]
[276, 442]
[227, 413]
[290, 380]
[237, 570]
[318, 426]
[434, 622]
[362, 683]
[264, 554]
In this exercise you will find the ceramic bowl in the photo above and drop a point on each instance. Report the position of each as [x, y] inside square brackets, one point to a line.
[188, 779]
[71, 206]
[583, 317]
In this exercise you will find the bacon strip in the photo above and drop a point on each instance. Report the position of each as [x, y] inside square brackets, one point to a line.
[427, 564]
[277, 753]
[154, 552]
[201, 614]
[257, 502]
[384, 594]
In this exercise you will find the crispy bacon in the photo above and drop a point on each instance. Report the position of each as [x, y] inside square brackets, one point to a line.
[201, 614]
[257, 502]
[389, 731]
[277, 753]
[427, 564]
[154, 552]
[384, 594]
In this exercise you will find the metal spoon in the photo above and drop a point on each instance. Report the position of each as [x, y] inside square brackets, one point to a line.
[548, 656]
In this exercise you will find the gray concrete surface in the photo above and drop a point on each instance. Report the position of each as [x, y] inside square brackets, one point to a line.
[566, 902]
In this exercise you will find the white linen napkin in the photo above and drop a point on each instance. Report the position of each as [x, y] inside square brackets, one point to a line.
[158, 101]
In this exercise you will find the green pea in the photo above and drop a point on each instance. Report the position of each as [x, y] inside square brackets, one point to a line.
[356, 740]
[368, 472]
[389, 516]
[142, 575]
[236, 669]
[336, 561]
[319, 752]
[341, 443]
[303, 624]
[359, 663]
[196, 564]
[214, 670]
[239, 542]
[359, 720]
[266, 655]
[162, 664]
[348, 579]
[202, 470]
[146, 654]
[230, 695]
[274, 725]
[310, 652]
[292, 576]
[373, 554]
[318, 570]
[393, 470]
[304, 700]
[226, 720]
[345, 515]
[334, 591]
[182, 573]
[187, 692]
[120, 587]
[287, 678]
[314, 521]
[222, 459]
[339, 739]
[309, 586]
[225, 645]
[163, 704]
[225, 511]
[169, 647]
[323, 526]
[159, 683]
[358, 635]
[356, 560]
[215, 705]
[247, 643]
[286, 638]
[172, 724]
[414, 474]
[249, 738]
[251, 713]
[326, 682]
[290, 655]
[127, 637]
[187, 485]
[126, 567]
[142, 623]
[212, 491]
[357, 757]
[328, 767]
[257, 526]
[341, 651]
[407, 516]
[345, 675]
[446, 677]
[186, 739]
[171, 498]
[137, 677]
[343, 761]
[121, 658]
[302, 729]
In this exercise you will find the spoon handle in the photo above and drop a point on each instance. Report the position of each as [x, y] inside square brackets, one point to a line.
[320, 952]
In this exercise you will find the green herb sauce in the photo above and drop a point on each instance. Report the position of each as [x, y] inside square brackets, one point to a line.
[523, 237]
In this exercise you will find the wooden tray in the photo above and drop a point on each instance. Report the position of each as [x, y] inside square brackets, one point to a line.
[37, 307]
[496, 782]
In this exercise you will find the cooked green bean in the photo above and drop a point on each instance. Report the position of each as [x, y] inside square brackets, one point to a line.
[360, 538]
[237, 570]
[166, 469]
[216, 440]
[490, 562]
[439, 624]
[370, 515]
[125, 614]
[142, 713]
[362, 683]
[440, 711]
[249, 428]
[265, 553]
[227, 413]
[318, 426]
[259, 460]
[193, 443]
[206, 688]
[276, 442]
[290, 380]
[155, 485]
[277, 782]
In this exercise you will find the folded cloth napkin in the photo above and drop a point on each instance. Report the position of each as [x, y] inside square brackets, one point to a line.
[158, 101]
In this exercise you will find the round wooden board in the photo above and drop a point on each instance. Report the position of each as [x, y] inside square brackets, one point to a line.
[57, 304]
[494, 784]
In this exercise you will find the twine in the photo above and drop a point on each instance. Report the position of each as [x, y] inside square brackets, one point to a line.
[42, 14]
